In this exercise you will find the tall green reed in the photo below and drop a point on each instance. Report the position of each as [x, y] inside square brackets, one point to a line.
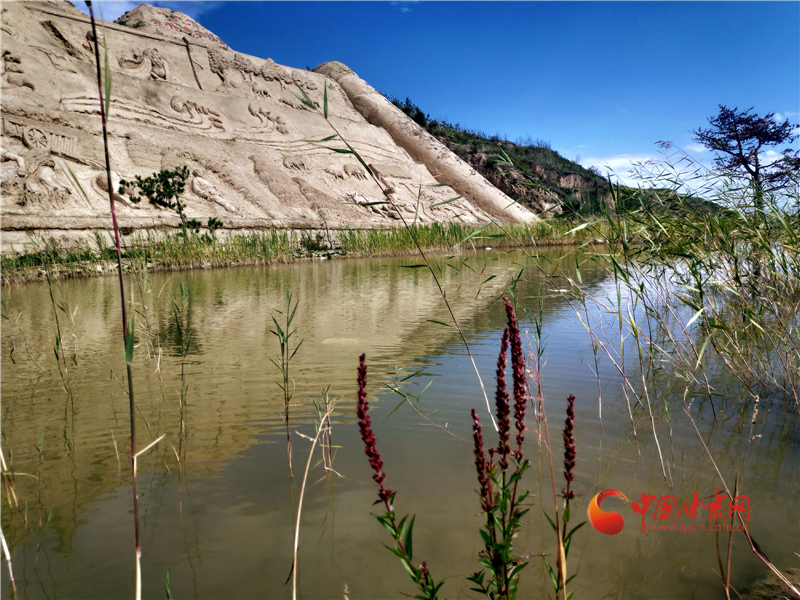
[284, 332]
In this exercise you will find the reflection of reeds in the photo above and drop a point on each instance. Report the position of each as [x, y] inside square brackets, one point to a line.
[61, 359]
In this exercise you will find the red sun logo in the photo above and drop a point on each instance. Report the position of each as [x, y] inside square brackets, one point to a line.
[605, 522]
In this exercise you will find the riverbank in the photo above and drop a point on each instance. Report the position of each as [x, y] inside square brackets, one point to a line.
[160, 251]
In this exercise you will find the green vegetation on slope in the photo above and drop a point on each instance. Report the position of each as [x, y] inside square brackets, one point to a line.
[562, 182]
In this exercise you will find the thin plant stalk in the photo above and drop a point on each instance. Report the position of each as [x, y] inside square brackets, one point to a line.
[127, 329]
[7, 555]
[284, 335]
[320, 431]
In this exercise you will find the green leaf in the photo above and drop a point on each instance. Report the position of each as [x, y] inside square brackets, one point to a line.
[703, 349]
[409, 569]
[574, 529]
[446, 201]
[395, 551]
[106, 81]
[579, 227]
[553, 577]
[474, 233]
[129, 336]
[407, 538]
[438, 322]
[325, 102]
[327, 139]
[386, 523]
[553, 525]
[695, 317]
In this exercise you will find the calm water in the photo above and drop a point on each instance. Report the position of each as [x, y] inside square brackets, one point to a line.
[222, 523]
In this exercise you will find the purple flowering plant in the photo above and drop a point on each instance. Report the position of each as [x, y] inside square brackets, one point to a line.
[401, 532]
[499, 470]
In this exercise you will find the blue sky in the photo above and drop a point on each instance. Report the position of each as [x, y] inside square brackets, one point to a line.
[601, 80]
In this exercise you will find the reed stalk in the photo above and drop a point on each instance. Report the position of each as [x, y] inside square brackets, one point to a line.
[127, 328]
[7, 556]
[284, 334]
[321, 430]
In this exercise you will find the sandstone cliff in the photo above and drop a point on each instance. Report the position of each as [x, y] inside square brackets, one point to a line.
[181, 96]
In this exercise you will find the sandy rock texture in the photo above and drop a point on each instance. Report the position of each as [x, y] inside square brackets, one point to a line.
[182, 97]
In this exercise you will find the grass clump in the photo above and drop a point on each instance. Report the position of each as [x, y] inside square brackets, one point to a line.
[174, 250]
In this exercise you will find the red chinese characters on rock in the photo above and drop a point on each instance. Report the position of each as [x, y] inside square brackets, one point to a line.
[181, 25]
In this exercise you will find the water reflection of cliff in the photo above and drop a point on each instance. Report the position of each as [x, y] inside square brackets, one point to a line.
[377, 306]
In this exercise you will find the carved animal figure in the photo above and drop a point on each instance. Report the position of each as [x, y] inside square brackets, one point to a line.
[294, 162]
[205, 189]
[355, 171]
[333, 172]
[12, 71]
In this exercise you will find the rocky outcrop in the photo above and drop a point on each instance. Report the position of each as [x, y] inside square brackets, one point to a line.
[182, 97]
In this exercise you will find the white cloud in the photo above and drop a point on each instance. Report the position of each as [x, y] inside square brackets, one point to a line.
[781, 117]
[620, 166]
[696, 148]
[402, 5]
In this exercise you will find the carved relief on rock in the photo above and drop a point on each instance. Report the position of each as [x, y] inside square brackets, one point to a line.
[272, 71]
[168, 22]
[355, 171]
[335, 173]
[42, 137]
[100, 186]
[142, 152]
[63, 40]
[208, 191]
[12, 167]
[6, 27]
[232, 68]
[60, 62]
[34, 179]
[378, 207]
[294, 162]
[149, 64]
[197, 112]
[268, 120]
[280, 186]
[12, 73]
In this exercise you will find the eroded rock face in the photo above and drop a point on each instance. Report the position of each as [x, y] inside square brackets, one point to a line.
[180, 96]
